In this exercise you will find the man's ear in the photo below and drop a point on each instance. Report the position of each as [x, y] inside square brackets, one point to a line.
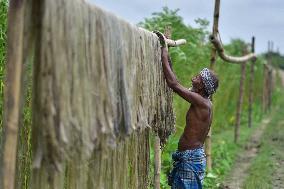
[202, 86]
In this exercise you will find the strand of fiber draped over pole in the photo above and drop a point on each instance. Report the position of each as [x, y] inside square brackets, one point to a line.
[98, 90]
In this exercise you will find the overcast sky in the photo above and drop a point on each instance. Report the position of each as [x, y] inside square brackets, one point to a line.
[238, 18]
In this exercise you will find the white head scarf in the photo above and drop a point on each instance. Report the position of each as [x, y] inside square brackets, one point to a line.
[208, 82]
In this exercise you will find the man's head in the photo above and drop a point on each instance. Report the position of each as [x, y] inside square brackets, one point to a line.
[205, 82]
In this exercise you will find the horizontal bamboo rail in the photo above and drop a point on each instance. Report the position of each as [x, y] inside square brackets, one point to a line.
[173, 43]
[219, 47]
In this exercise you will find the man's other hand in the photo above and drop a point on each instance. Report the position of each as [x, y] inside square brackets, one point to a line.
[162, 38]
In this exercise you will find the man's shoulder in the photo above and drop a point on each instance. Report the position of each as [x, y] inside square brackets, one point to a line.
[205, 104]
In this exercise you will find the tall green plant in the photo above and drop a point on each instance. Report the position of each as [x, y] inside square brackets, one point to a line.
[3, 36]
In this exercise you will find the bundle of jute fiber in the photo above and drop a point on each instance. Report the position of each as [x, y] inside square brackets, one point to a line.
[98, 88]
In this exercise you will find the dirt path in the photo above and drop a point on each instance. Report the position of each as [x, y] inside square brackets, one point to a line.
[244, 160]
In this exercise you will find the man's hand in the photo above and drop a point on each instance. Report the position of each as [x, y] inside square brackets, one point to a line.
[162, 39]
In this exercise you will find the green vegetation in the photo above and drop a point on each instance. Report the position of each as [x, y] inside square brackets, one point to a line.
[3, 31]
[188, 60]
[24, 146]
[266, 163]
[276, 58]
[261, 170]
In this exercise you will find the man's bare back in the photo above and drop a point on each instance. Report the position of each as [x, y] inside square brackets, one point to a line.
[198, 121]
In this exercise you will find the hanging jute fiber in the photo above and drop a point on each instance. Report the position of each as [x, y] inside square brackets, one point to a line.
[98, 90]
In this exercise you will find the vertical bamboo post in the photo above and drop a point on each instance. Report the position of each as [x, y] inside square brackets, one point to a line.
[215, 31]
[265, 92]
[269, 88]
[251, 81]
[157, 166]
[264, 89]
[12, 90]
[269, 76]
[240, 100]
[212, 65]
[271, 83]
[270, 47]
[157, 143]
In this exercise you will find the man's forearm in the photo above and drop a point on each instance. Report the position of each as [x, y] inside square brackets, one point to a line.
[170, 62]
[169, 74]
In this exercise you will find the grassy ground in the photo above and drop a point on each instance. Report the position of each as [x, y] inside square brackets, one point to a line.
[225, 152]
[261, 172]
[266, 170]
[258, 165]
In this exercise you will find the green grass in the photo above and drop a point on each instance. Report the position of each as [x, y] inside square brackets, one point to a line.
[24, 153]
[272, 146]
[224, 154]
[261, 171]
[3, 36]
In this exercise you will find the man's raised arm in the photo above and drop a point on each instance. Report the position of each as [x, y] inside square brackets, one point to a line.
[169, 74]
[171, 79]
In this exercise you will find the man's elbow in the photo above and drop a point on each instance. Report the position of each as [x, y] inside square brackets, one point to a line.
[173, 85]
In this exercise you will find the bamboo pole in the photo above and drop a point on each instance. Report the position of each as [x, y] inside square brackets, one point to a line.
[269, 88]
[212, 65]
[228, 58]
[269, 76]
[251, 85]
[215, 31]
[157, 165]
[240, 100]
[175, 43]
[264, 91]
[12, 90]
[266, 82]
[271, 84]
[157, 142]
[217, 47]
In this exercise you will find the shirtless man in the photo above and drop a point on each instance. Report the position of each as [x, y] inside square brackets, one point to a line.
[190, 160]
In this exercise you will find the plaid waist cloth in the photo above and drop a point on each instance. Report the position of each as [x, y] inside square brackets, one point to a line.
[188, 169]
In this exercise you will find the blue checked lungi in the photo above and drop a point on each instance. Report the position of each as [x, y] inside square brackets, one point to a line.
[189, 169]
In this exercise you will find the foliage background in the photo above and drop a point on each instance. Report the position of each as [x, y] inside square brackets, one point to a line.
[3, 33]
[188, 60]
